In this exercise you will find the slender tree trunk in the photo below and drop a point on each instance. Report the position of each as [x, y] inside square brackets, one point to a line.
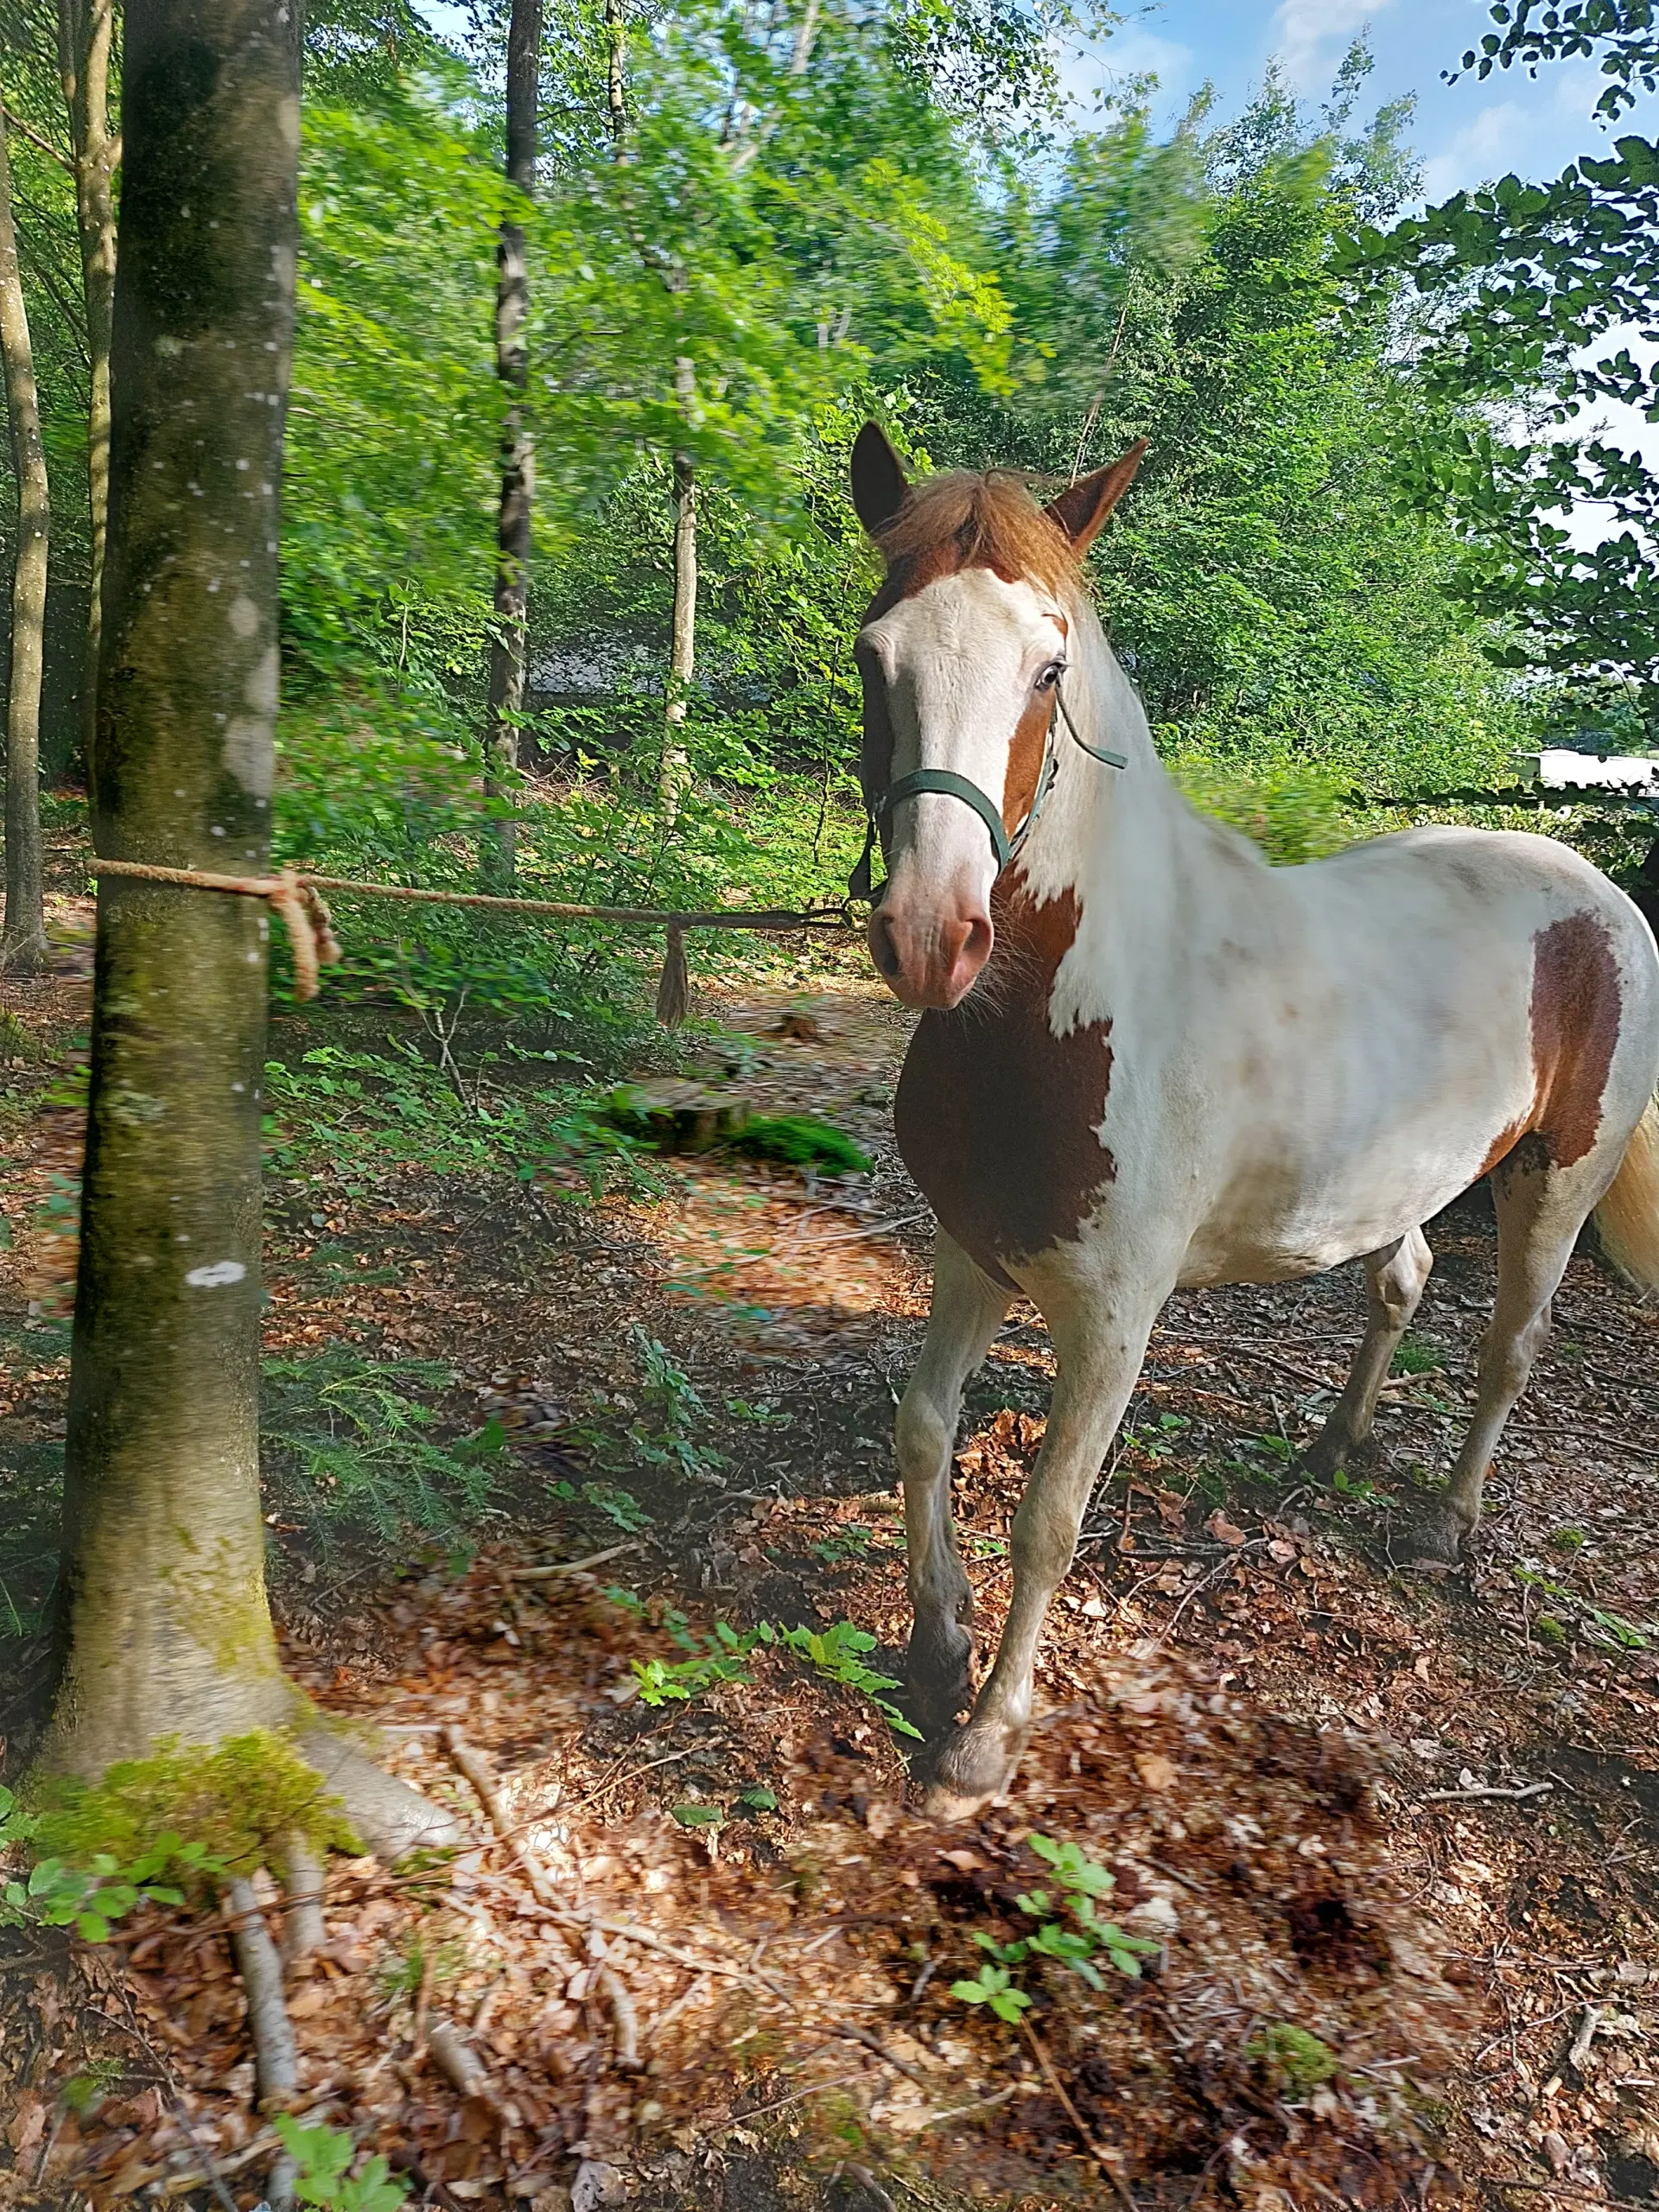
[164, 1615]
[683, 648]
[85, 28]
[507, 649]
[616, 78]
[22, 949]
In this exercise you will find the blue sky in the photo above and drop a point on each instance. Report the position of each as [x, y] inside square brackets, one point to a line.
[1465, 133]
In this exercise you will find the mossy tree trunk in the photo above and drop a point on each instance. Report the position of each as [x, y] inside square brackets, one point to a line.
[22, 949]
[85, 34]
[166, 1631]
[509, 645]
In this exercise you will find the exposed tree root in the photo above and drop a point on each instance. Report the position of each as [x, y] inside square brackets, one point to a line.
[276, 2056]
[303, 1928]
[392, 1819]
[612, 1988]
[476, 1768]
[460, 2064]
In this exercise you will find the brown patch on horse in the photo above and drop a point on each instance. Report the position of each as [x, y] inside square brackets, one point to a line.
[1026, 755]
[1576, 1004]
[997, 1117]
[961, 520]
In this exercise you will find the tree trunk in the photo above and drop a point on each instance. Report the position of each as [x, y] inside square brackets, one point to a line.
[84, 34]
[683, 648]
[507, 647]
[22, 949]
[168, 1632]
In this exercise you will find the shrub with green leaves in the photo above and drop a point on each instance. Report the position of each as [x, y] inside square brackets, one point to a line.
[322, 2159]
[836, 1652]
[93, 1896]
[1079, 1881]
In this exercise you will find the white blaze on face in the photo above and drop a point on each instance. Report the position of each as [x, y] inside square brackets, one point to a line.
[961, 663]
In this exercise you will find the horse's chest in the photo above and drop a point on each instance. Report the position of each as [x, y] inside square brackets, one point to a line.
[999, 1120]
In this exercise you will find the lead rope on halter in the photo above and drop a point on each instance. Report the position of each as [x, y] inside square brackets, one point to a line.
[946, 781]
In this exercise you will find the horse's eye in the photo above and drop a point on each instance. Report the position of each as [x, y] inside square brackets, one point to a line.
[1050, 675]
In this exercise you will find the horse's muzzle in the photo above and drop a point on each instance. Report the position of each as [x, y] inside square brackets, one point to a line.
[927, 958]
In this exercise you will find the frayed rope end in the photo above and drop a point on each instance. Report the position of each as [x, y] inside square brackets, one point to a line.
[674, 992]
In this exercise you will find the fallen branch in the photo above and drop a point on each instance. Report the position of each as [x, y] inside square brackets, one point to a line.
[475, 1767]
[460, 2064]
[1455, 1796]
[979, 2104]
[611, 1986]
[570, 1566]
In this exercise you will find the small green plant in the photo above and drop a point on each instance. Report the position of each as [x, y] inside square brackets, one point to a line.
[323, 2157]
[1294, 2060]
[837, 1652]
[619, 1507]
[1080, 1881]
[1360, 1488]
[1567, 1540]
[1416, 1355]
[1610, 1631]
[93, 1896]
[681, 1410]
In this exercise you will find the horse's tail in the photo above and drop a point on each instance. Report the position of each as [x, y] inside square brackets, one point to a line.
[1628, 1218]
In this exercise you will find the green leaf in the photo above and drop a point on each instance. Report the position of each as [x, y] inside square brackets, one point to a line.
[698, 1816]
[762, 1800]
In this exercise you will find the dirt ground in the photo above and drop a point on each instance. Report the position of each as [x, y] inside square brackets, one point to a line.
[1413, 1814]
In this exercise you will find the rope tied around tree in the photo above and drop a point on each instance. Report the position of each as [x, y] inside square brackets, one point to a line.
[296, 900]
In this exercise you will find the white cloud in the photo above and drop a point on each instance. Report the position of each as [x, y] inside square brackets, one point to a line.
[1310, 36]
[1482, 149]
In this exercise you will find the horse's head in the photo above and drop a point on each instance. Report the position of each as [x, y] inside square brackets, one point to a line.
[961, 653]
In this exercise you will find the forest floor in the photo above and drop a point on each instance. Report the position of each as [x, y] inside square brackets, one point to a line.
[1413, 1816]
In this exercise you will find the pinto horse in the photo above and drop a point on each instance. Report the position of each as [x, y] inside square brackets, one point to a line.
[1147, 1059]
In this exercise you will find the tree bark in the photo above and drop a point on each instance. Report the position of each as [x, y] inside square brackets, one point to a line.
[166, 1629]
[683, 648]
[85, 28]
[22, 949]
[616, 79]
[507, 648]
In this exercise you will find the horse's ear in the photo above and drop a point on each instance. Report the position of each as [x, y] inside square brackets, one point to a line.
[1081, 509]
[879, 485]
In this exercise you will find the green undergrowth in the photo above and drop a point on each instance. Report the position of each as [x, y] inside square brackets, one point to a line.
[836, 1653]
[353, 1443]
[1068, 1932]
[160, 1830]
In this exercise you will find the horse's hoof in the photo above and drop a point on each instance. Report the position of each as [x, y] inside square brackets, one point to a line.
[1435, 1543]
[964, 1773]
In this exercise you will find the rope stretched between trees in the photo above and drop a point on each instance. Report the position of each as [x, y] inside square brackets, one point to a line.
[297, 901]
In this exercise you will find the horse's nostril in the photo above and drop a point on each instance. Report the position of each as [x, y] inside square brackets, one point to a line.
[977, 946]
[883, 952]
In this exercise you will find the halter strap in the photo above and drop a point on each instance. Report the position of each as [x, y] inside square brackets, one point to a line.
[953, 786]
[947, 781]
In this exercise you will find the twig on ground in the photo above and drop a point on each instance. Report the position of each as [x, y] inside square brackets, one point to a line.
[1096, 2150]
[460, 2064]
[610, 1986]
[614, 1781]
[1587, 2035]
[1453, 1797]
[979, 2104]
[475, 1767]
[570, 1566]
[814, 2089]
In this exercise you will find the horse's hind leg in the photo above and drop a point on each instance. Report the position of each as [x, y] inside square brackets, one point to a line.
[1394, 1275]
[1540, 1210]
[968, 1310]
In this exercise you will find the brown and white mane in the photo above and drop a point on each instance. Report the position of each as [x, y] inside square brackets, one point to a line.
[1146, 1059]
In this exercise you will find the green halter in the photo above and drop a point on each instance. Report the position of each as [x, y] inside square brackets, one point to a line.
[946, 781]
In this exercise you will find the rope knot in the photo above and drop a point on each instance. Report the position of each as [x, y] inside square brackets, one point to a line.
[311, 926]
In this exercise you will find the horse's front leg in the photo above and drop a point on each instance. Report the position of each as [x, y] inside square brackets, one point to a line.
[967, 1311]
[1099, 1357]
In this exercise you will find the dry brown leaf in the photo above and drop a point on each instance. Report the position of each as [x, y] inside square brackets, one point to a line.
[1156, 1772]
[1223, 1530]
